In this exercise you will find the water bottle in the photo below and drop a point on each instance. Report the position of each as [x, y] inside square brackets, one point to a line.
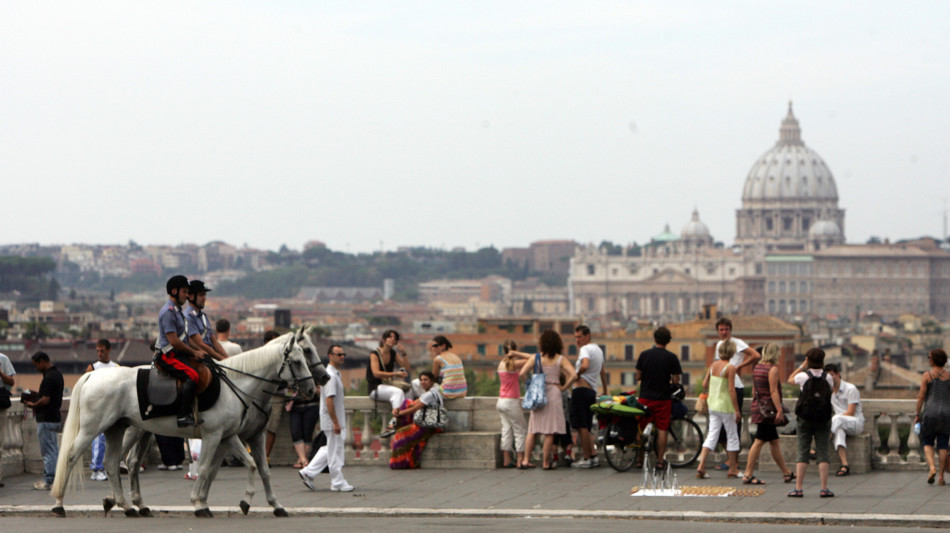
[917, 428]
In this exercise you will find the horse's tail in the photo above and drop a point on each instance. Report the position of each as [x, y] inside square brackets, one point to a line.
[70, 430]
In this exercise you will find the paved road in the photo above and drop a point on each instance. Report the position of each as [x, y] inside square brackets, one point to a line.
[893, 499]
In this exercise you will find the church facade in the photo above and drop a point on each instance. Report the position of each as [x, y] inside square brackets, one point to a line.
[790, 258]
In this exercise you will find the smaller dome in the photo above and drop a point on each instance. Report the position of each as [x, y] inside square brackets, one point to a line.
[824, 229]
[666, 236]
[695, 230]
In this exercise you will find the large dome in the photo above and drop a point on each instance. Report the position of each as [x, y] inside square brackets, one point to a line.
[789, 170]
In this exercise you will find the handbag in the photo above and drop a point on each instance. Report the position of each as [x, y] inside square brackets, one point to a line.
[5, 402]
[392, 381]
[767, 411]
[701, 406]
[431, 417]
[535, 396]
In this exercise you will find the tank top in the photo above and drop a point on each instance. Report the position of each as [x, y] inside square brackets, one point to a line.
[453, 380]
[719, 399]
[371, 380]
[936, 413]
[510, 388]
[760, 389]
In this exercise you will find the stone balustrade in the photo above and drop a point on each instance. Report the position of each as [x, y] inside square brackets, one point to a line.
[474, 426]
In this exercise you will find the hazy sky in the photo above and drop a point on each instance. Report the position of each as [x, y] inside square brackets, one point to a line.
[380, 124]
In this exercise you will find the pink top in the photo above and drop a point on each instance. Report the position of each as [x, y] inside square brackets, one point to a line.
[510, 387]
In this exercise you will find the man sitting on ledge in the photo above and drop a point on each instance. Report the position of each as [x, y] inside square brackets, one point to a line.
[848, 418]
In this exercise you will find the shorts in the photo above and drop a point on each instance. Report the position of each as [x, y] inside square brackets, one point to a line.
[581, 400]
[821, 433]
[942, 440]
[766, 432]
[660, 413]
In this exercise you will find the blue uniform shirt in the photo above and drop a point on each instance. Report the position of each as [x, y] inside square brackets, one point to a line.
[198, 323]
[170, 319]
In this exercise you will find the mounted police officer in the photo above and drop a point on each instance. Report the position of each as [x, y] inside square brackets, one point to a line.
[173, 352]
[200, 332]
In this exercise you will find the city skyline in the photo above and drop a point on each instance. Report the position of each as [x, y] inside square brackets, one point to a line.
[374, 126]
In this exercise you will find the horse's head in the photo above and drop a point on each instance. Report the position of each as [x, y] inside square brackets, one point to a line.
[295, 370]
[312, 355]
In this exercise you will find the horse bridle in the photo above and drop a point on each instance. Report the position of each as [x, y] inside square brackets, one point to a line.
[278, 383]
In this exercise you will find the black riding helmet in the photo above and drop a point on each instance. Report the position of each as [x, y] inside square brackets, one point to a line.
[196, 286]
[176, 282]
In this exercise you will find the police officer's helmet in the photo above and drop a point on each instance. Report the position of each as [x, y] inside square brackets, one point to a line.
[176, 282]
[196, 286]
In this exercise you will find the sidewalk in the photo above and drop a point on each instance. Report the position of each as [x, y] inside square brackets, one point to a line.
[875, 499]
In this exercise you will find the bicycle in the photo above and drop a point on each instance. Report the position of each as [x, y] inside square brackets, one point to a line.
[624, 444]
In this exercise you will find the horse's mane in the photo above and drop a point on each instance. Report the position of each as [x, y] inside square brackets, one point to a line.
[256, 359]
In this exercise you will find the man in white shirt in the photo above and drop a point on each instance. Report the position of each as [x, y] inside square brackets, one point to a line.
[7, 382]
[332, 415]
[590, 378]
[103, 351]
[745, 357]
[848, 417]
[223, 328]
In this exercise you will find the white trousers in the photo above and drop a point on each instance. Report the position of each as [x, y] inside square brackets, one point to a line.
[717, 422]
[330, 455]
[513, 425]
[387, 393]
[842, 425]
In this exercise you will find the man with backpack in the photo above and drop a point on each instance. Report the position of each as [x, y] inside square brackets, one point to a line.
[814, 418]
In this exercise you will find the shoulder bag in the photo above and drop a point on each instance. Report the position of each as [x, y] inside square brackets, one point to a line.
[535, 396]
[392, 381]
[432, 417]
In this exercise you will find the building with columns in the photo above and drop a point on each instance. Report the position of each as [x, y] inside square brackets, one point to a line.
[789, 259]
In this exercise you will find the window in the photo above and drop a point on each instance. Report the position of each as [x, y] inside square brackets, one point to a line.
[527, 328]
[806, 223]
[628, 352]
[628, 378]
[567, 328]
[571, 349]
[603, 348]
[684, 352]
[501, 349]
[787, 223]
[768, 224]
[481, 349]
[591, 269]
[771, 287]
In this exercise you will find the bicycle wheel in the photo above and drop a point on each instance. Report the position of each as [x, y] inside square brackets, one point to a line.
[684, 442]
[620, 456]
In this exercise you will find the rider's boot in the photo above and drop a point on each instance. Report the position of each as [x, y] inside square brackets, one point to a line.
[185, 416]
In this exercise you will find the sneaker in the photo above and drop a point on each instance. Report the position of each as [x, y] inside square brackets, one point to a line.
[42, 485]
[123, 468]
[581, 463]
[100, 475]
[345, 487]
[594, 462]
[174, 467]
[308, 481]
[164, 467]
[93, 476]
[390, 431]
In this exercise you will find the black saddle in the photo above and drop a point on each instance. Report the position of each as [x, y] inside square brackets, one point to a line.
[158, 393]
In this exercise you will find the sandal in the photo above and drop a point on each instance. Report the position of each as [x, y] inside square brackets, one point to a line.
[825, 493]
[845, 470]
[660, 465]
[933, 474]
[701, 474]
[752, 481]
[796, 494]
[298, 465]
[789, 478]
[526, 466]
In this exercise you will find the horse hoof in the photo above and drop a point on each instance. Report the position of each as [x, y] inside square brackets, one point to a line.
[245, 507]
[145, 511]
[131, 513]
[107, 504]
[204, 513]
[59, 511]
[280, 512]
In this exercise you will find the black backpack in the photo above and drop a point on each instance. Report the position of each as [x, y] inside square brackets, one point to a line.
[814, 404]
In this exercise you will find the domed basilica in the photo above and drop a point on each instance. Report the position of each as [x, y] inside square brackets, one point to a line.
[789, 259]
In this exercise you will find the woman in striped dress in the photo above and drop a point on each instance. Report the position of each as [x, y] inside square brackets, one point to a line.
[448, 368]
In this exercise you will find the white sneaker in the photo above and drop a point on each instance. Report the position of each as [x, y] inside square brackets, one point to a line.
[174, 467]
[581, 463]
[42, 485]
[594, 461]
[308, 481]
[164, 467]
[100, 475]
[345, 487]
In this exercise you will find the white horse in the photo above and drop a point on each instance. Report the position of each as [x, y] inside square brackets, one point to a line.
[106, 401]
[252, 433]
